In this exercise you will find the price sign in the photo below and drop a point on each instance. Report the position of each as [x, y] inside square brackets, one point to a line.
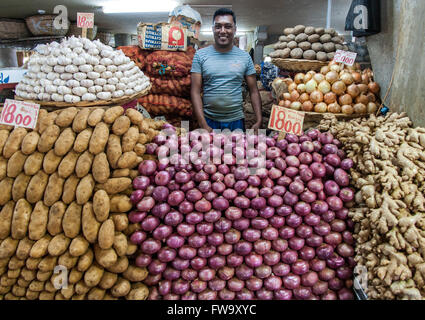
[85, 20]
[345, 57]
[20, 114]
[286, 120]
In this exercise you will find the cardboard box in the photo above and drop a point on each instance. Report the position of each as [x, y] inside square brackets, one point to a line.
[193, 27]
[162, 36]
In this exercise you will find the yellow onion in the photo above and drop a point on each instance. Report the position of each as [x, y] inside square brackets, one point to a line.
[308, 77]
[301, 88]
[347, 78]
[362, 99]
[282, 103]
[304, 97]
[324, 70]
[324, 87]
[334, 108]
[359, 108]
[374, 87]
[371, 97]
[372, 107]
[294, 95]
[321, 107]
[353, 91]
[345, 100]
[332, 77]
[357, 77]
[286, 96]
[318, 77]
[312, 72]
[311, 86]
[362, 87]
[347, 109]
[292, 87]
[336, 68]
[329, 98]
[365, 78]
[296, 105]
[287, 103]
[316, 96]
[339, 88]
[307, 106]
[299, 78]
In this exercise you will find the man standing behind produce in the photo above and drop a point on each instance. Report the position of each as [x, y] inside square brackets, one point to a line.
[220, 70]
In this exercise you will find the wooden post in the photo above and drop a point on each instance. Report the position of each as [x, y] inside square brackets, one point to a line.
[84, 33]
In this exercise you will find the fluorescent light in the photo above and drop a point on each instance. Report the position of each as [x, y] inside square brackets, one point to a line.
[210, 33]
[135, 7]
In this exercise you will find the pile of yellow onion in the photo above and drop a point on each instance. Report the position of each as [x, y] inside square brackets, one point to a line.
[336, 89]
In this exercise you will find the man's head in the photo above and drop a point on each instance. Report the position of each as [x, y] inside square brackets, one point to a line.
[224, 27]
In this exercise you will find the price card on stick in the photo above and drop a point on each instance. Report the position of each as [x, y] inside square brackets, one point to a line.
[85, 20]
[346, 57]
[286, 120]
[19, 113]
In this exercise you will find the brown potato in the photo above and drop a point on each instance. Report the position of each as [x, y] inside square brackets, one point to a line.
[120, 266]
[71, 222]
[78, 246]
[20, 219]
[13, 142]
[36, 187]
[32, 263]
[96, 294]
[100, 168]
[65, 142]
[120, 243]
[33, 163]
[65, 117]
[22, 283]
[314, 38]
[106, 234]
[108, 280]
[101, 205]
[41, 114]
[20, 186]
[80, 121]
[95, 117]
[28, 275]
[48, 263]
[69, 189]
[133, 174]
[46, 121]
[68, 292]
[120, 203]
[8, 247]
[37, 227]
[132, 248]
[135, 116]
[121, 288]
[32, 295]
[113, 150]
[44, 275]
[58, 245]
[39, 248]
[116, 185]
[37, 286]
[121, 125]
[6, 215]
[48, 138]
[85, 189]
[140, 149]
[99, 138]
[51, 162]
[15, 263]
[4, 134]
[81, 143]
[13, 274]
[89, 223]
[135, 274]
[24, 248]
[75, 276]
[143, 138]
[128, 160]
[84, 164]
[67, 165]
[130, 138]
[56, 213]
[120, 173]
[53, 190]
[6, 281]
[93, 275]
[85, 261]
[105, 257]
[120, 221]
[141, 292]
[112, 114]
[30, 142]
[67, 260]
[81, 288]
[3, 168]
[15, 165]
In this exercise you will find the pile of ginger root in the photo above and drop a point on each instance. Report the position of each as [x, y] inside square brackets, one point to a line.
[389, 210]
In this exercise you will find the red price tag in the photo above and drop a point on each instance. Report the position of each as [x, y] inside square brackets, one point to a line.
[345, 57]
[286, 120]
[85, 20]
[19, 114]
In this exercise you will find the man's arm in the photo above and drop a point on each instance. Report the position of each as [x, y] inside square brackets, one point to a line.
[255, 99]
[195, 94]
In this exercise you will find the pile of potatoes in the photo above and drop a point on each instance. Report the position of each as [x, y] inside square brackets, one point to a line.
[309, 43]
[64, 201]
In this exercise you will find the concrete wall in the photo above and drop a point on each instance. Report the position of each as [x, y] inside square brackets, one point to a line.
[403, 26]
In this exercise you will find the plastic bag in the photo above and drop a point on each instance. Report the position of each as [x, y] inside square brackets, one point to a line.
[186, 11]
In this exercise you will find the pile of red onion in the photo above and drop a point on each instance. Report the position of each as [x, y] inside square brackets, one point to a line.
[216, 231]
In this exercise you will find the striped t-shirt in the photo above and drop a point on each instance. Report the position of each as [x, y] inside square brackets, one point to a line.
[222, 77]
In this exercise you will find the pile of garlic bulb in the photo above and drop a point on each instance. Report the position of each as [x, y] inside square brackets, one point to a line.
[78, 69]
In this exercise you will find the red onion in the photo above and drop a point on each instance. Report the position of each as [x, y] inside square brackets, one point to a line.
[314, 241]
[341, 177]
[286, 232]
[318, 169]
[147, 167]
[335, 203]
[291, 281]
[346, 194]
[280, 245]
[347, 164]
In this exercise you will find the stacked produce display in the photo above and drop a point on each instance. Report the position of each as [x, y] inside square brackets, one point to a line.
[308, 43]
[335, 89]
[64, 201]
[79, 70]
[226, 230]
[389, 174]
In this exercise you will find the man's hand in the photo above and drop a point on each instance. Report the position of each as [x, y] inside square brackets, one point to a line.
[207, 127]
[256, 126]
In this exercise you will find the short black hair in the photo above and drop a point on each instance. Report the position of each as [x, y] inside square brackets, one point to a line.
[224, 12]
